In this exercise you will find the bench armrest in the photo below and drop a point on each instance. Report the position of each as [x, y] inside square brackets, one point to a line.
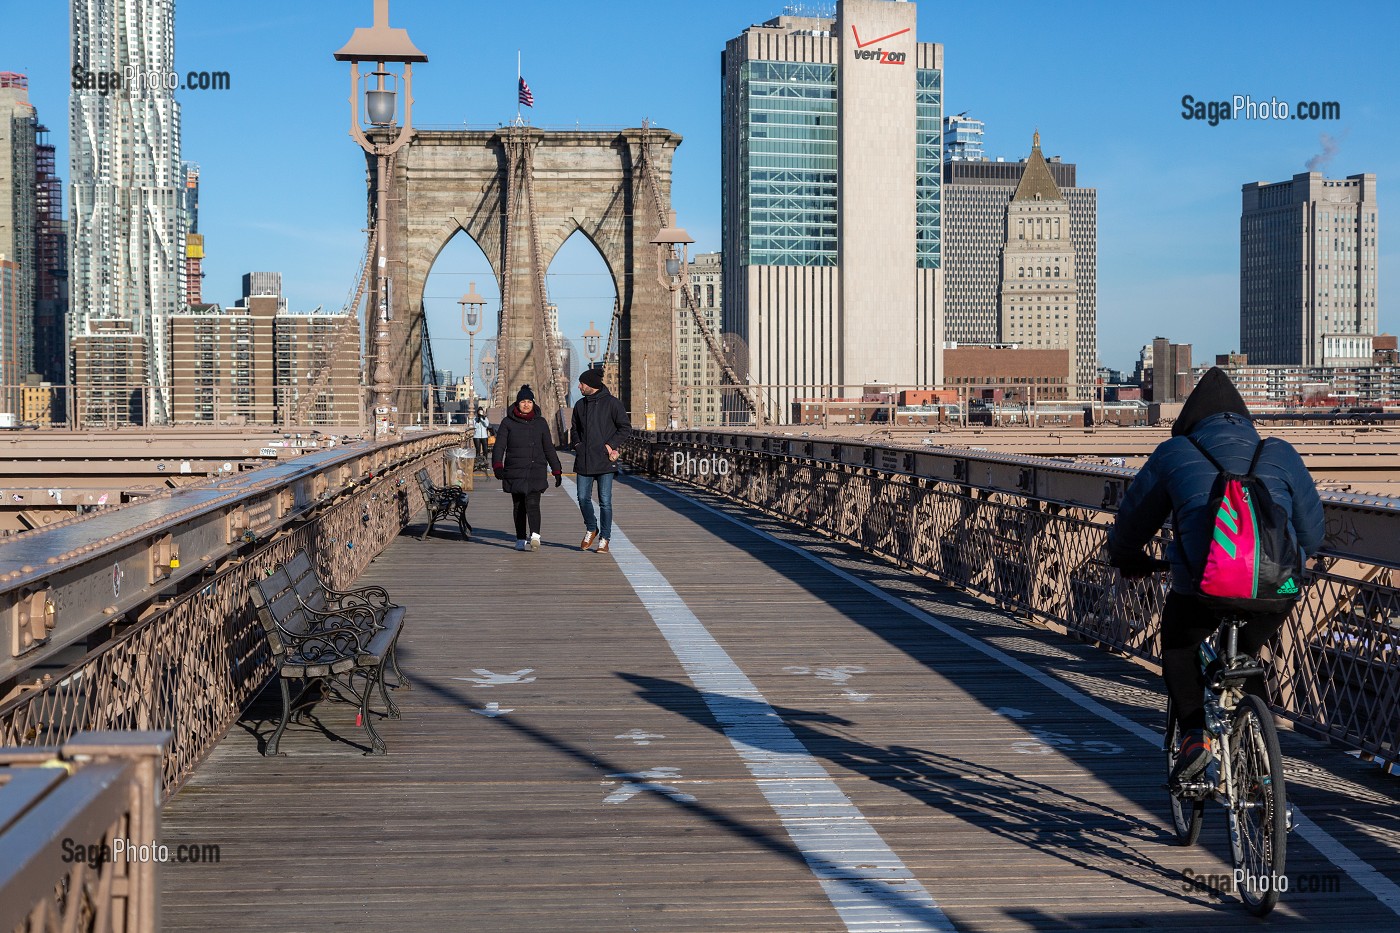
[324, 645]
[371, 597]
[361, 622]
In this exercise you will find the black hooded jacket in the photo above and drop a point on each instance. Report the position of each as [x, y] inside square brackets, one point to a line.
[598, 419]
[523, 449]
[1177, 481]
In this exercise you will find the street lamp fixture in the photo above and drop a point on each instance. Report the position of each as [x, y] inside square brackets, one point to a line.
[383, 46]
[472, 304]
[488, 368]
[672, 252]
[592, 343]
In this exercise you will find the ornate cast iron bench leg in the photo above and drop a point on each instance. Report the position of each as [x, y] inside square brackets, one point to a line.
[271, 750]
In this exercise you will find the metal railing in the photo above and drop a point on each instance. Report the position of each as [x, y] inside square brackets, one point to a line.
[67, 817]
[188, 654]
[1029, 534]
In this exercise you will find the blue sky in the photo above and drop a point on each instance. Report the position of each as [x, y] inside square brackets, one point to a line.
[283, 185]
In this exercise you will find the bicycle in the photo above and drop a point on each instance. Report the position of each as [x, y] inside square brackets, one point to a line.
[1245, 776]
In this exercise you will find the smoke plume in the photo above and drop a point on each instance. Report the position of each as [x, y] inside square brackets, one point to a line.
[1330, 145]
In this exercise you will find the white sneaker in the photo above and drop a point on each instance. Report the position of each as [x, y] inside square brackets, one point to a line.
[520, 544]
[535, 541]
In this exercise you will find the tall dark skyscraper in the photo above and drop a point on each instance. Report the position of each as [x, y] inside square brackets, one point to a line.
[1308, 270]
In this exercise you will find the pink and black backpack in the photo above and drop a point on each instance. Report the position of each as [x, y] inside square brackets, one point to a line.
[1253, 562]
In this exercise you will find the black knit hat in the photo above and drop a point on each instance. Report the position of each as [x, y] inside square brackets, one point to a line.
[593, 378]
[1215, 393]
[524, 393]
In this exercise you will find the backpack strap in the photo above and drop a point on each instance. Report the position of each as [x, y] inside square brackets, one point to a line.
[1254, 461]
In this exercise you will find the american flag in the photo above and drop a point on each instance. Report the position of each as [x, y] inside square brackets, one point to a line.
[526, 97]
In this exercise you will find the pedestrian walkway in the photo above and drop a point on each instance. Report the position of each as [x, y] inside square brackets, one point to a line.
[727, 724]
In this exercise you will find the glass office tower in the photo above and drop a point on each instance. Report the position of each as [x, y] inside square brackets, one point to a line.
[832, 168]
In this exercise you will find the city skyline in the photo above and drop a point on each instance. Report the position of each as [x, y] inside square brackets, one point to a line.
[1169, 187]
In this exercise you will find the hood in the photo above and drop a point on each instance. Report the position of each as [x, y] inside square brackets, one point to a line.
[1215, 394]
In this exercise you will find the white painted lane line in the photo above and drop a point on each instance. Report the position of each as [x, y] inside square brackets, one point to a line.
[1360, 871]
[868, 884]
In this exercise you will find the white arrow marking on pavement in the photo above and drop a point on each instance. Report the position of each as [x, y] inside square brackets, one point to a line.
[487, 678]
[638, 737]
[855, 696]
[636, 782]
[492, 709]
[1012, 712]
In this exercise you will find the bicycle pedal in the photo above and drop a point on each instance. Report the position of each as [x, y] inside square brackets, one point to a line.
[1191, 790]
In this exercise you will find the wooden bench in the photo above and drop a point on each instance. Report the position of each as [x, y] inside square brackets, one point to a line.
[325, 636]
[443, 501]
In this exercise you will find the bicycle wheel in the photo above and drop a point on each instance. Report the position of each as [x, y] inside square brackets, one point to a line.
[1258, 807]
[1187, 813]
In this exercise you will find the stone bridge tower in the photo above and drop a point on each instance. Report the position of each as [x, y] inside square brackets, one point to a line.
[520, 192]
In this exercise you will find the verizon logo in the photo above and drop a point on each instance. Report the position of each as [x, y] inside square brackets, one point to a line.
[863, 53]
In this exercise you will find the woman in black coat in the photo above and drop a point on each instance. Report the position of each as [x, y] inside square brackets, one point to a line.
[523, 448]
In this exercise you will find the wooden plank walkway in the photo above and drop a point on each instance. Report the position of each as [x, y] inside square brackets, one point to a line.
[610, 792]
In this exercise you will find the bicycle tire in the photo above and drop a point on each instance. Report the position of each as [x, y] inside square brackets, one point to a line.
[1258, 807]
[1188, 814]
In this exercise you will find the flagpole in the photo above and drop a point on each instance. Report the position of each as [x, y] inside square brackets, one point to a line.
[518, 118]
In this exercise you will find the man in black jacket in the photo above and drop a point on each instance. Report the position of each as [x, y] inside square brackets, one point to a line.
[600, 423]
[1176, 482]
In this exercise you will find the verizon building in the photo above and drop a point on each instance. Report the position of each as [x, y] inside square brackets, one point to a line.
[832, 139]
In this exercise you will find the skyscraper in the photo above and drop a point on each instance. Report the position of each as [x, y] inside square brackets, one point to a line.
[127, 229]
[1039, 295]
[18, 234]
[51, 261]
[1308, 270]
[194, 240]
[832, 139]
[962, 139]
[700, 372]
[978, 215]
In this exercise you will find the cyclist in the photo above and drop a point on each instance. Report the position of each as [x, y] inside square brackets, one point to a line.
[1177, 481]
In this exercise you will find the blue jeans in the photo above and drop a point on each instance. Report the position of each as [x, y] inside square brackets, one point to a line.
[585, 501]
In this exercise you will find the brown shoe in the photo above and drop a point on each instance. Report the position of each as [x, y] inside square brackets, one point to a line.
[588, 540]
[602, 545]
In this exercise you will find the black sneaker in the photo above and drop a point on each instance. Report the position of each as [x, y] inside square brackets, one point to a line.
[1192, 757]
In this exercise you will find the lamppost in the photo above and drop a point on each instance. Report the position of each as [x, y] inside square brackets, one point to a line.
[488, 370]
[472, 321]
[672, 249]
[592, 343]
[382, 45]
